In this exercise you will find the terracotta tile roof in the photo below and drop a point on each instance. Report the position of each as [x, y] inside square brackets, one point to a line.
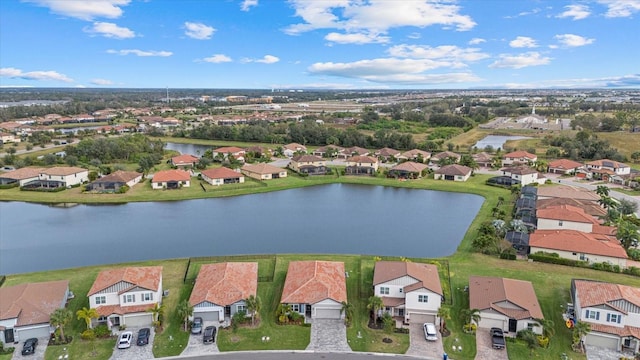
[119, 176]
[387, 152]
[519, 170]
[295, 147]
[62, 170]
[392, 302]
[228, 149]
[564, 164]
[147, 277]
[625, 331]
[226, 283]
[482, 157]
[262, 168]
[184, 159]
[604, 230]
[356, 150]
[221, 173]
[607, 163]
[520, 154]
[588, 206]
[363, 159]
[32, 303]
[410, 166]
[454, 169]
[566, 213]
[577, 241]
[22, 173]
[171, 175]
[106, 310]
[426, 275]
[307, 158]
[414, 153]
[594, 293]
[325, 148]
[488, 292]
[309, 282]
[445, 154]
[565, 191]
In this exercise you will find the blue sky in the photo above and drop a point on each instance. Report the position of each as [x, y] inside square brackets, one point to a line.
[320, 44]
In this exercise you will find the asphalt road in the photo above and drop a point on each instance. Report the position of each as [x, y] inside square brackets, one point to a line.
[297, 355]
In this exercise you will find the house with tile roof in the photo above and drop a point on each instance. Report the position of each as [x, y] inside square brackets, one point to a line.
[508, 304]
[184, 160]
[20, 176]
[410, 292]
[171, 179]
[408, 170]
[524, 174]
[114, 181]
[262, 171]
[315, 289]
[518, 158]
[565, 191]
[416, 155]
[25, 309]
[308, 164]
[453, 172]
[122, 296]
[290, 150]
[361, 165]
[568, 217]
[590, 207]
[353, 151]
[387, 154]
[578, 245]
[59, 176]
[221, 176]
[226, 151]
[483, 159]
[435, 159]
[563, 166]
[612, 311]
[220, 289]
[330, 151]
[606, 166]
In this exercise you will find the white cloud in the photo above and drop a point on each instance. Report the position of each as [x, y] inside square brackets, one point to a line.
[524, 13]
[34, 75]
[110, 30]
[520, 61]
[247, 4]
[571, 40]
[267, 59]
[577, 12]
[414, 35]
[523, 42]
[620, 8]
[102, 82]
[625, 81]
[476, 41]
[140, 52]
[198, 30]
[455, 56]
[359, 38]
[85, 9]
[217, 58]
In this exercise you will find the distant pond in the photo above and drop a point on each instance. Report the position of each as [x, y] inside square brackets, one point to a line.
[191, 149]
[497, 141]
[333, 219]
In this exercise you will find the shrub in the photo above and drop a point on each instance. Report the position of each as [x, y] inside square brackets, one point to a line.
[543, 341]
[88, 334]
[508, 256]
[469, 328]
[632, 270]
[123, 189]
[102, 331]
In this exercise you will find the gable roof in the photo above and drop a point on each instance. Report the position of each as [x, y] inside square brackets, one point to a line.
[295, 147]
[225, 283]
[594, 293]
[221, 173]
[262, 168]
[564, 164]
[147, 277]
[454, 169]
[184, 159]
[588, 206]
[608, 163]
[363, 159]
[415, 152]
[119, 176]
[410, 166]
[306, 158]
[171, 175]
[565, 191]
[62, 170]
[520, 154]
[32, 303]
[488, 292]
[445, 154]
[566, 213]
[309, 282]
[22, 173]
[387, 152]
[577, 241]
[228, 149]
[426, 275]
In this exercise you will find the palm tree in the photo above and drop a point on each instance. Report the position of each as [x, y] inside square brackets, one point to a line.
[627, 234]
[602, 190]
[470, 316]
[254, 305]
[59, 319]
[282, 312]
[580, 330]
[375, 304]
[548, 327]
[444, 315]
[607, 202]
[627, 207]
[185, 310]
[87, 315]
[347, 309]
[157, 311]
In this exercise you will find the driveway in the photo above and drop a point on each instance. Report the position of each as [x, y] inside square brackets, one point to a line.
[39, 354]
[484, 349]
[599, 353]
[135, 352]
[195, 346]
[328, 336]
[419, 346]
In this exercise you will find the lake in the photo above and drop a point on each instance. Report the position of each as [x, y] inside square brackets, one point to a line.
[497, 141]
[191, 149]
[333, 219]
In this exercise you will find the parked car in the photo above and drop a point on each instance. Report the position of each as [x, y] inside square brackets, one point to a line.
[29, 347]
[124, 341]
[430, 332]
[209, 336]
[143, 336]
[196, 327]
[497, 338]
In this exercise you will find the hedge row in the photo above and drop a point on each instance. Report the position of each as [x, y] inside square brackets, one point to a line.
[553, 258]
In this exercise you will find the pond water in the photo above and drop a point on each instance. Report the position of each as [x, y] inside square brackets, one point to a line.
[497, 141]
[333, 219]
[191, 149]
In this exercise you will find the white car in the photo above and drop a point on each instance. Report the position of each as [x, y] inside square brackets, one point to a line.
[124, 341]
[430, 332]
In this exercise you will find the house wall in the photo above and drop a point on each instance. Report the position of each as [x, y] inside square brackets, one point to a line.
[68, 180]
[592, 258]
[208, 311]
[491, 318]
[219, 182]
[134, 181]
[526, 179]
[395, 287]
[553, 224]
[412, 305]
[603, 316]
[324, 306]
[162, 185]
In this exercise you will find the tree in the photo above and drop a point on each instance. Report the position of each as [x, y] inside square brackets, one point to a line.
[157, 312]
[548, 327]
[87, 315]
[185, 310]
[607, 202]
[627, 234]
[635, 156]
[388, 322]
[254, 305]
[375, 304]
[602, 190]
[627, 207]
[529, 338]
[470, 316]
[347, 310]
[59, 319]
[444, 314]
[282, 312]
[580, 330]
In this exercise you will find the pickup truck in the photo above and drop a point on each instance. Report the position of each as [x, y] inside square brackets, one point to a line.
[497, 338]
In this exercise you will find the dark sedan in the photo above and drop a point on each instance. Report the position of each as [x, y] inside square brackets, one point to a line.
[29, 347]
[143, 336]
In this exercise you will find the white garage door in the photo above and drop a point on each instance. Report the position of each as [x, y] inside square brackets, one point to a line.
[421, 318]
[207, 315]
[491, 323]
[141, 320]
[40, 332]
[594, 339]
[324, 313]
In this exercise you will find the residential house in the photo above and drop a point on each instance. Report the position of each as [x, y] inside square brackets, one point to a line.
[451, 156]
[563, 166]
[21, 176]
[171, 179]
[518, 158]
[416, 155]
[353, 151]
[263, 171]
[408, 170]
[315, 289]
[308, 164]
[291, 149]
[329, 151]
[122, 296]
[590, 207]
[567, 217]
[387, 154]
[578, 245]
[612, 311]
[223, 153]
[606, 169]
[221, 176]
[114, 181]
[453, 172]
[361, 165]
[6, 138]
[524, 174]
[409, 291]
[184, 160]
[519, 241]
[483, 159]
[565, 191]
[220, 289]
[508, 304]
[59, 176]
[25, 309]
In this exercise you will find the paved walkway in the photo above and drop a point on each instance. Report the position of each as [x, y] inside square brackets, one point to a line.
[328, 335]
[484, 348]
[419, 346]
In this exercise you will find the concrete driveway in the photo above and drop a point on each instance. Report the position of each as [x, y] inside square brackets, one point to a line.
[135, 352]
[39, 354]
[599, 353]
[419, 346]
[328, 335]
[484, 349]
[195, 346]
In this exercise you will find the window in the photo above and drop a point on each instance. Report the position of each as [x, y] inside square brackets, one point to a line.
[147, 297]
[423, 298]
[241, 308]
[614, 318]
[560, 223]
[101, 300]
[129, 298]
[295, 307]
[582, 257]
[384, 291]
[595, 315]
[400, 290]
[530, 326]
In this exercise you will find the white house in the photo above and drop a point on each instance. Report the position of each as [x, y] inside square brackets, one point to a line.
[123, 296]
[518, 157]
[221, 176]
[578, 245]
[613, 167]
[65, 175]
[262, 171]
[508, 304]
[612, 311]
[568, 217]
[409, 291]
[290, 149]
[524, 174]
[21, 176]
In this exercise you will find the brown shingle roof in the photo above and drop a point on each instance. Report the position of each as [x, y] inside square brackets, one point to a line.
[295, 147]
[588, 206]
[32, 303]
[454, 169]
[228, 149]
[171, 175]
[520, 154]
[363, 159]
[426, 275]
[221, 173]
[184, 159]
[356, 150]
[62, 170]
[594, 293]
[307, 158]
[226, 283]
[309, 282]
[414, 153]
[410, 166]
[119, 176]
[565, 191]
[444, 155]
[577, 241]
[482, 157]
[564, 164]
[262, 168]
[147, 277]
[488, 292]
[22, 173]
[387, 152]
